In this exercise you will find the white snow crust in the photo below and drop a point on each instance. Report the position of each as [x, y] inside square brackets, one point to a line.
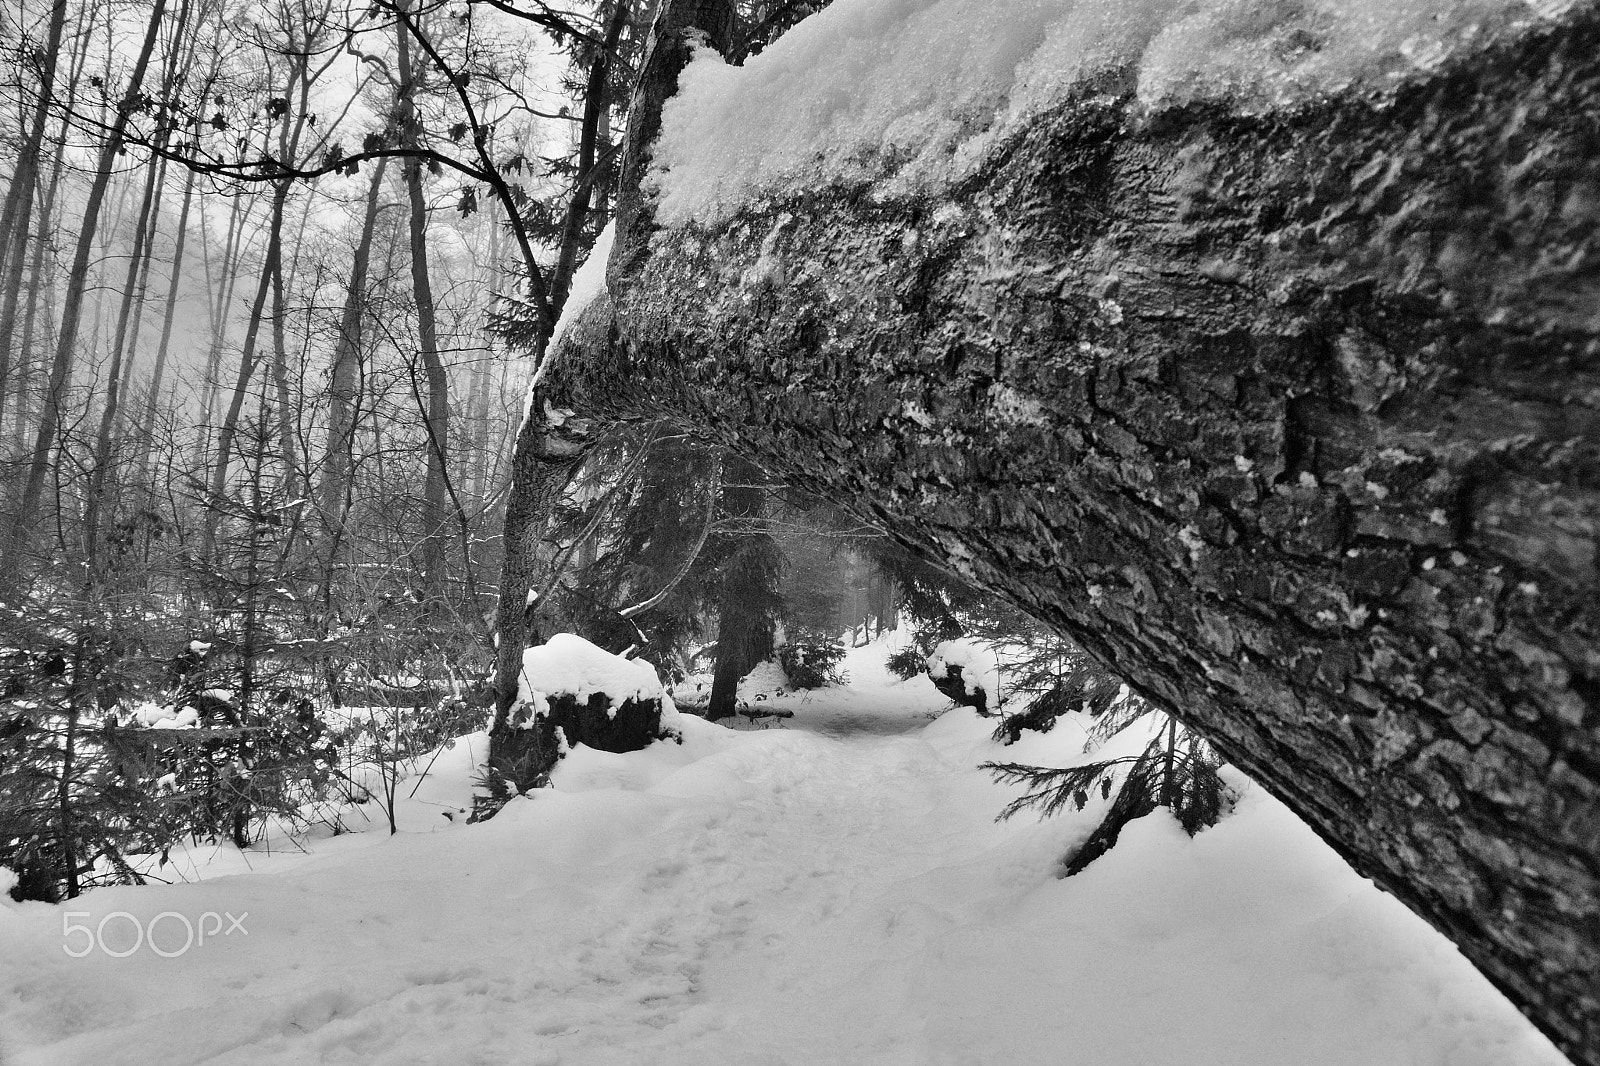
[912, 94]
[567, 664]
[838, 896]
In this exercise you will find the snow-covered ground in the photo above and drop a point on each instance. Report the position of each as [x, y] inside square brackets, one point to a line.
[832, 892]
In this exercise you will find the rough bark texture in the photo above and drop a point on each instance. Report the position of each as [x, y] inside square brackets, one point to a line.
[1293, 420]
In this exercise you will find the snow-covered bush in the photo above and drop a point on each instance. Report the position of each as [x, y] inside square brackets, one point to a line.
[215, 772]
[906, 663]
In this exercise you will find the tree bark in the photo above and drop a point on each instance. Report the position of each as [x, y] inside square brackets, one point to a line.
[217, 312]
[119, 376]
[148, 227]
[677, 23]
[596, 114]
[1293, 420]
[551, 443]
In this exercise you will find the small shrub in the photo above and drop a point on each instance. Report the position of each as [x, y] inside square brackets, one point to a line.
[907, 662]
[1176, 769]
[811, 660]
[1078, 688]
[493, 791]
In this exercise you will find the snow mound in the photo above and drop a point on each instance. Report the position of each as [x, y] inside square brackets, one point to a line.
[980, 667]
[568, 665]
[914, 93]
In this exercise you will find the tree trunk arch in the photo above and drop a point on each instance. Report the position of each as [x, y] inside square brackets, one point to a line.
[1292, 420]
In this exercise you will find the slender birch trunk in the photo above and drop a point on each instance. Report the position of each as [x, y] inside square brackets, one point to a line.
[147, 421]
[247, 361]
[334, 495]
[436, 410]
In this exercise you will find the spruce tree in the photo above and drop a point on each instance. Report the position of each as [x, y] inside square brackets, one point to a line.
[1175, 769]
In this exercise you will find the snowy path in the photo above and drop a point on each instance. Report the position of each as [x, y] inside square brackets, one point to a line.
[799, 896]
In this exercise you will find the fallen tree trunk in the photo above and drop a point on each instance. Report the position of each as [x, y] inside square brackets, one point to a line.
[1291, 420]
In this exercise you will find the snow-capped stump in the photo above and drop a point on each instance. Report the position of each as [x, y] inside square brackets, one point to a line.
[572, 692]
[967, 673]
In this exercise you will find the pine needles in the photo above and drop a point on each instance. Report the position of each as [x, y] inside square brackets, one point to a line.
[1175, 769]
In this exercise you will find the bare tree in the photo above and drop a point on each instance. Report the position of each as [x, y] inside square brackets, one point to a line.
[77, 277]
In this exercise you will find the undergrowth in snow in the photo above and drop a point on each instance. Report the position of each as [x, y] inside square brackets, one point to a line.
[831, 893]
[912, 94]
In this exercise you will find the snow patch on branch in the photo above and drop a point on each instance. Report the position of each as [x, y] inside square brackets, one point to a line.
[911, 95]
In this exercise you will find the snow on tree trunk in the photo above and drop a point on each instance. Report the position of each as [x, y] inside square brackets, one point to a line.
[1291, 419]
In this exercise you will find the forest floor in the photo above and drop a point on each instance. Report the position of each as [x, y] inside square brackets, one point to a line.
[832, 892]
